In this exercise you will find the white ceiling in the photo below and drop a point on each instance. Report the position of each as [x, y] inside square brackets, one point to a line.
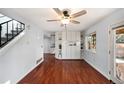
[39, 16]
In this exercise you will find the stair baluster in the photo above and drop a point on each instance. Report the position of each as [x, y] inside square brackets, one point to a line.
[12, 30]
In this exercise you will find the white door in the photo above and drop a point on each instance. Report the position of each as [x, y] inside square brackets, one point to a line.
[117, 55]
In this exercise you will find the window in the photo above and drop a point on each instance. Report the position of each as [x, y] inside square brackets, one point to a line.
[91, 42]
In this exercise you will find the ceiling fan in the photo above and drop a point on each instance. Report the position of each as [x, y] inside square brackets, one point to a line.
[67, 17]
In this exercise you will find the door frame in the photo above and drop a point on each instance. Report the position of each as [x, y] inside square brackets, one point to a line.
[112, 33]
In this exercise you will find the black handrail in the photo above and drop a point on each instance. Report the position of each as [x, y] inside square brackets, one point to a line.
[11, 20]
[5, 22]
[10, 33]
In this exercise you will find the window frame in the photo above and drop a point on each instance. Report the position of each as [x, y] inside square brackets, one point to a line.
[90, 42]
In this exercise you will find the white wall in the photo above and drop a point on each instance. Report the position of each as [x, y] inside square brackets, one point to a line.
[100, 59]
[4, 19]
[21, 58]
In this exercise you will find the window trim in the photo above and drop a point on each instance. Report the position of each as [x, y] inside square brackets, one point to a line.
[93, 50]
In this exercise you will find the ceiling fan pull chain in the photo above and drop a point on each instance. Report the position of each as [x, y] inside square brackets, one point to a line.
[66, 30]
[65, 27]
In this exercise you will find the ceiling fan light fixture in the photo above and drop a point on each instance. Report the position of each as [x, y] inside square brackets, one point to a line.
[65, 21]
[66, 17]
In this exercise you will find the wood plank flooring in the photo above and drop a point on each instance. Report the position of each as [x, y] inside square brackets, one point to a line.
[53, 71]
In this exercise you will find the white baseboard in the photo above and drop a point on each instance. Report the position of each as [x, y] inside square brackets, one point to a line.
[97, 69]
[29, 71]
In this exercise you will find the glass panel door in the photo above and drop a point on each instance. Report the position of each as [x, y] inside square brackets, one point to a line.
[119, 53]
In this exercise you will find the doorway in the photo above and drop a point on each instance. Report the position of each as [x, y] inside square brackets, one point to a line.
[49, 43]
[117, 54]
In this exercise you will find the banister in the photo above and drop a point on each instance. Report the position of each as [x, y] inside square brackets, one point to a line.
[14, 31]
[6, 22]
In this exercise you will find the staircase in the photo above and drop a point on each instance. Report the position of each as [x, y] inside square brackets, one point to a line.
[9, 30]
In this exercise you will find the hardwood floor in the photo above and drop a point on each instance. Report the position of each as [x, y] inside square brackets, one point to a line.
[53, 71]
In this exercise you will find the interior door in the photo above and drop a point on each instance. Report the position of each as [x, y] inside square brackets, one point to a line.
[117, 54]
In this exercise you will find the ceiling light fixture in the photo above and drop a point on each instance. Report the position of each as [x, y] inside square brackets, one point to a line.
[67, 17]
[65, 21]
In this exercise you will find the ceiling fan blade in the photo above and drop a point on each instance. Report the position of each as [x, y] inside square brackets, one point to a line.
[79, 14]
[58, 11]
[75, 22]
[53, 20]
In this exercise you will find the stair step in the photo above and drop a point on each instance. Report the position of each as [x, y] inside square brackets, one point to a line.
[19, 29]
[3, 40]
[14, 31]
[10, 34]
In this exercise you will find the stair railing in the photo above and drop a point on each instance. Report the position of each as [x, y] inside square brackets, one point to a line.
[9, 30]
